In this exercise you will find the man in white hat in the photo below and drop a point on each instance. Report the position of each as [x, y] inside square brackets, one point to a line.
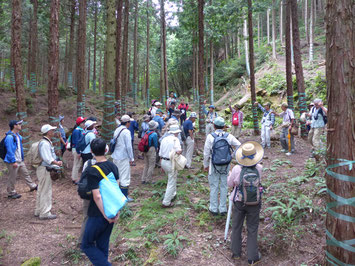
[189, 142]
[267, 123]
[89, 136]
[170, 144]
[154, 109]
[217, 174]
[49, 163]
[123, 154]
[150, 155]
[245, 178]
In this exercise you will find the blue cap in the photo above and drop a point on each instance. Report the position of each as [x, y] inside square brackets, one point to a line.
[61, 117]
[219, 121]
[211, 106]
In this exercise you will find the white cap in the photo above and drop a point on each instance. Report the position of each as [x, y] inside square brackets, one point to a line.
[45, 128]
[89, 123]
[193, 115]
[158, 103]
[126, 118]
[174, 129]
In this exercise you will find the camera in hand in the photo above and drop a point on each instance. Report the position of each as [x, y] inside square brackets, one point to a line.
[54, 168]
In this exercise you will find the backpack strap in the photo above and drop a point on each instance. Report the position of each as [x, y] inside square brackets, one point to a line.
[100, 171]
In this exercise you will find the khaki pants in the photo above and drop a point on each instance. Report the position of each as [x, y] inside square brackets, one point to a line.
[236, 131]
[20, 170]
[124, 171]
[190, 143]
[86, 204]
[171, 186]
[149, 164]
[314, 137]
[44, 193]
[78, 162]
[218, 185]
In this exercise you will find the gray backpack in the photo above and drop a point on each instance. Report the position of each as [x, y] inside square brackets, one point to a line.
[249, 185]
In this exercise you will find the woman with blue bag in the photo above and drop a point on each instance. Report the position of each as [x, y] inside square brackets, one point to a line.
[107, 200]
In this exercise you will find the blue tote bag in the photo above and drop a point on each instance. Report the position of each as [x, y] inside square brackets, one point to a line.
[111, 194]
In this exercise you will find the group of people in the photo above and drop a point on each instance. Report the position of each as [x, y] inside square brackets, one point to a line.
[166, 139]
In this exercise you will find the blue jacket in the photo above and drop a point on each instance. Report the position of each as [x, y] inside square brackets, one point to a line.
[11, 146]
[133, 127]
[153, 139]
[160, 121]
[76, 135]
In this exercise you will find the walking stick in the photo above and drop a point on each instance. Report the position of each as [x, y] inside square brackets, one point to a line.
[228, 219]
[289, 140]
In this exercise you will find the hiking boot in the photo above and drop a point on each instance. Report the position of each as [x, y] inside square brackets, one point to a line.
[129, 199]
[223, 213]
[289, 153]
[213, 213]
[144, 182]
[14, 196]
[254, 262]
[49, 217]
[33, 188]
[235, 257]
[168, 206]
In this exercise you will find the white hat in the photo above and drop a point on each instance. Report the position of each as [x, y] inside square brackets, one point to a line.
[153, 125]
[249, 153]
[45, 128]
[126, 118]
[89, 123]
[193, 115]
[158, 103]
[174, 129]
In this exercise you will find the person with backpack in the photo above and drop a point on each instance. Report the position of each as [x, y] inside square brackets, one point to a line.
[237, 119]
[48, 164]
[158, 118]
[267, 123]
[89, 136]
[170, 144]
[133, 126]
[143, 129]
[98, 227]
[123, 154]
[149, 141]
[189, 142]
[12, 154]
[318, 114]
[211, 115]
[287, 123]
[75, 136]
[245, 179]
[217, 158]
[183, 110]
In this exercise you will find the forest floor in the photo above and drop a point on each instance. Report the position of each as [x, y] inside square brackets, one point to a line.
[289, 234]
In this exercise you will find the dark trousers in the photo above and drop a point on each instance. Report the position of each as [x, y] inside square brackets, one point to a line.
[240, 211]
[86, 157]
[182, 119]
[96, 240]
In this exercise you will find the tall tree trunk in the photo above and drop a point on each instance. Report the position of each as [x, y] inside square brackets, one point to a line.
[34, 48]
[340, 72]
[17, 65]
[226, 57]
[252, 76]
[28, 53]
[65, 72]
[281, 22]
[135, 51]
[95, 36]
[119, 75]
[298, 64]
[194, 70]
[258, 30]
[165, 67]
[89, 55]
[245, 31]
[211, 71]
[100, 72]
[110, 70]
[81, 58]
[71, 45]
[238, 43]
[274, 29]
[201, 4]
[311, 31]
[124, 78]
[287, 5]
[268, 25]
[147, 58]
[53, 70]
[306, 19]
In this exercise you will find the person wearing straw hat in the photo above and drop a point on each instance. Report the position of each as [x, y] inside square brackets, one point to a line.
[211, 115]
[89, 136]
[14, 159]
[150, 155]
[49, 161]
[189, 142]
[267, 123]
[237, 119]
[248, 156]
[169, 144]
[217, 174]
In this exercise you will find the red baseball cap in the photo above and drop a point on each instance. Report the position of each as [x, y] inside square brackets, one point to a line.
[80, 119]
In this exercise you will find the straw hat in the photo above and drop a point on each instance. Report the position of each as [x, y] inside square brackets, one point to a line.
[249, 153]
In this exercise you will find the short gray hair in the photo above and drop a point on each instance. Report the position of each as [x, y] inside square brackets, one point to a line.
[316, 101]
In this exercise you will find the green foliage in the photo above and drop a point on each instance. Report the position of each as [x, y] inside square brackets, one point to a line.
[73, 255]
[36, 261]
[274, 83]
[173, 243]
[131, 255]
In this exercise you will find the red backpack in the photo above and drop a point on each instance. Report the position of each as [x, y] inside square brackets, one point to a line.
[143, 145]
[235, 119]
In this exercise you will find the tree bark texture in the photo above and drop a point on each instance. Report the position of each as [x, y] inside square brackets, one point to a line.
[135, 52]
[211, 71]
[281, 22]
[147, 59]
[165, 66]
[306, 19]
[340, 72]
[298, 64]
[100, 72]
[18, 73]
[108, 122]
[201, 4]
[290, 103]
[34, 48]
[193, 71]
[71, 44]
[273, 29]
[246, 50]
[95, 37]
[124, 78]
[89, 55]
[251, 63]
[81, 59]
[65, 71]
[311, 31]
[118, 80]
[268, 25]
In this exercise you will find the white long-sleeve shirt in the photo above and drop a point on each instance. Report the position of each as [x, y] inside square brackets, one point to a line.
[46, 151]
[207, 151]
[123, 148]
[168, 144]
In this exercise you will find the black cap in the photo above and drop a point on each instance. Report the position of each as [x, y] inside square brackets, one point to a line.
[12, 123]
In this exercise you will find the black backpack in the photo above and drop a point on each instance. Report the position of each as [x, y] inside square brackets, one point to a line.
[249, 186]
[3, 149]
[83, 190]
[221, 151]
[325, 118]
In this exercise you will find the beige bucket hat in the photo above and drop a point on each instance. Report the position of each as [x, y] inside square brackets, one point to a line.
[249, 153]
